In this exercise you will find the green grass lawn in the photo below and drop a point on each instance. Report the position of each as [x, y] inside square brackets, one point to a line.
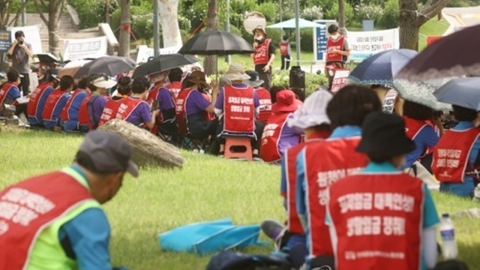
[207, 188]
[431, 28]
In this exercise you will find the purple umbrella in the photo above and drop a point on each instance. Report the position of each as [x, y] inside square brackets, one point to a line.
[451, 56]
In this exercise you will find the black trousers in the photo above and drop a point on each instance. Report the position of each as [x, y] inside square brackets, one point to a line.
[25, 84]
[285, 64]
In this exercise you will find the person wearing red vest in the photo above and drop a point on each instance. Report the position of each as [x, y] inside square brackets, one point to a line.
[133, 109]
[69, 117]
[165, 122]
[124, 88]
[338, 51]
[263, 94]
[285, 52]
[277, 136]
[321, 163]
[39, 96]
[237, 106]
[263, 56]
[193, 108]
[455, 158]
[382, 218]
[175, 79]
[56, 102]
[9, 93]
[55, 220]
[99, 85]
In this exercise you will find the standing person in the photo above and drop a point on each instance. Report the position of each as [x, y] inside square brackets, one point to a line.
[455, 158]
[285, 51]
[382, 211]
[9, 93]
[277, 136]
[20, 53]
[338, 51]
[56, 101]
[63, 226]
[263, 94]
[39, 96]
[69, 118]
[133, 109]
[322, 163]
[263, 56]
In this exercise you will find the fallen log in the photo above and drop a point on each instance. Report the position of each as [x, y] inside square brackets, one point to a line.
[147, 149]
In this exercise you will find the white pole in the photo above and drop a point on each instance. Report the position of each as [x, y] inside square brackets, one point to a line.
[229, 58]
[297, 31]
[156, 30]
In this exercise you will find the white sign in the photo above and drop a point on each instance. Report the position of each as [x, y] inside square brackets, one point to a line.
[32, 36]
[367, 43]
[76, 49]
[340, 80]
[144, 52]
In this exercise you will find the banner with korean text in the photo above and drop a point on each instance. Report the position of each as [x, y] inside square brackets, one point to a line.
[76, 49]
[367, 43]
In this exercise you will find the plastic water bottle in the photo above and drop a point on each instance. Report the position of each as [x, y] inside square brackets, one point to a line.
[447, 231]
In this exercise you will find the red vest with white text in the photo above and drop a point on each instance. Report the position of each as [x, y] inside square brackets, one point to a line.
[208, 116]
[325, 163]
[83, 118]
[293, 222]
[450, 156]
[52, 102]
[181, 111]
[335, 45]
[261, 55]
[174, 88]
[378, 220]
[4, 91]
[29, 207]
[239, 111]
[35, 98]
[265, 100]
[283, 48]
[269, 151]
[64, 115]
[118, 109]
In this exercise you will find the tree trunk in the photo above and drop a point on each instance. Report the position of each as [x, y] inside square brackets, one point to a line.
[124, 46]
[54, 11]
[169, 20]
[210, 64]
[408, 24]
[341, 14]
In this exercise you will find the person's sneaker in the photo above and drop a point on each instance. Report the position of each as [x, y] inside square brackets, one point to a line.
[272, 228]
[256, 157]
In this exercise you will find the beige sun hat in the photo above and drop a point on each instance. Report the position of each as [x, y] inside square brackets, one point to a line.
[236, 72]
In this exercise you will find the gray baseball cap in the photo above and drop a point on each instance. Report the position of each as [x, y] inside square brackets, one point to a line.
[108, 152]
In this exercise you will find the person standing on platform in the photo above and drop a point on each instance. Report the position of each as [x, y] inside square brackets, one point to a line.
[263, 56]
[285, 51]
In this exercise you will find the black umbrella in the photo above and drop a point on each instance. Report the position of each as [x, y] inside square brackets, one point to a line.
[109, 65]
[216, 43]
[164, 62]
[451, 56]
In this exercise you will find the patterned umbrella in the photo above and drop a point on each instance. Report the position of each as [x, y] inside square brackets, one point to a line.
[422, 92]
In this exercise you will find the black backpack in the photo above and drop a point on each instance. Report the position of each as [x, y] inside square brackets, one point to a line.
[231, 260]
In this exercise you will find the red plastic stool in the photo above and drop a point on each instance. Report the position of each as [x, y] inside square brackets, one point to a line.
[238, 142]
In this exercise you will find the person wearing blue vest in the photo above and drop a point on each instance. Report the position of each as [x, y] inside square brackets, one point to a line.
[49, 225]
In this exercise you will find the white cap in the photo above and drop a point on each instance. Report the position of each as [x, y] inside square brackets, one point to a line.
[104, 82]
[313, 112]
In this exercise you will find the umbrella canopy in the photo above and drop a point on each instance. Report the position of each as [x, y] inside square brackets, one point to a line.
[72, 67]
[462, 92]
[382, 67]
[216, 42]
[302, 23]
[452, 55]
[164, 62]
[422, 92]
[109, 65]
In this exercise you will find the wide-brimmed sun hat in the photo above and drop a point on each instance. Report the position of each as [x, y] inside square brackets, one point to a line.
[104, 82]
[285, 102]
[197, 77]
[313, 112]
[236, 72]
[254, 81]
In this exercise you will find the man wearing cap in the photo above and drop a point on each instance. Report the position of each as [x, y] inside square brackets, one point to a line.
[277, 136]
[285, 52]
[323, 162]
[263, 94]
[263, 56]
[395, 211]
[37, 99]
[56, 102]
[165, 121]
[46, 220]
[99, 86]
[238, 105]
[20, 53]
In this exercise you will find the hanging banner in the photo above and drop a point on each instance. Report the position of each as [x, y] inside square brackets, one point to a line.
[367, 43]
[5, 41]
[32, 36]
[76, 49]
[144, 52]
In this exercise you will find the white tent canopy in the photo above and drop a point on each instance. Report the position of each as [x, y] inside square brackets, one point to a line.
[291, 24]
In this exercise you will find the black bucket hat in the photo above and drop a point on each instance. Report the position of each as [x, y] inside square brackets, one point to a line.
[384, 134]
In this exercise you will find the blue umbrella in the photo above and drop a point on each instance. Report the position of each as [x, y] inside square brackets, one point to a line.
[463, 92]
[382, 67]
